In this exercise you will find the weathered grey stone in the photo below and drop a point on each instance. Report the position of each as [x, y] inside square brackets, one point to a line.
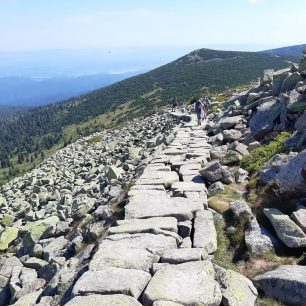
[236, 289]
[181, 187]
[114, 173]
[286, 283]
[112, 281]
[28, 299]
[178, 256]
[32, 232]
[218, 152]
[287, 231]
[231, 158]
[299, 217]
[205, 235]
[291, 177]
[171, 282]
[256, 239]
[215, 188]
[133, 226]
[290, 81]
[166, 303]
[214, 172]
[268, 172]
[231, 135]
[137, 251]
[229, 122]
[35, 263]
[107, 300]
[7, 237]
[241, 211]
[263, 121]
[81, 206]
[158, 178]
[147, 207]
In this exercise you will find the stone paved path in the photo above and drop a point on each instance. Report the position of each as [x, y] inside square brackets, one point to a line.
[160, 254]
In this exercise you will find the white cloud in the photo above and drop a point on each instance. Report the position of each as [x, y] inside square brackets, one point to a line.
[254, 1]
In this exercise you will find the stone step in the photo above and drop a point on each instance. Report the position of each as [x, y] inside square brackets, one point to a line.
[134, 226]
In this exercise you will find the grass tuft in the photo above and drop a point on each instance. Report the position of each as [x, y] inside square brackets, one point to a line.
[258, 157]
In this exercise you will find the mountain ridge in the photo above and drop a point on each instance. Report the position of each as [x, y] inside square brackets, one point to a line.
[197, 73]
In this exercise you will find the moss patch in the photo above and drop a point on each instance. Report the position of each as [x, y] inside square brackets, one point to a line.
[220, 202]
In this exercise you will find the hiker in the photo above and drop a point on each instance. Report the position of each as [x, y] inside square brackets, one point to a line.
[206, 103]
[199, 110]
[174, 104]
[182, 106]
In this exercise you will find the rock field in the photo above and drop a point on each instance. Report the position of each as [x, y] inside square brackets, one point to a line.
[122, 218]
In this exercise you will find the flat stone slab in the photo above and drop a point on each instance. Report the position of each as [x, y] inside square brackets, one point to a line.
[188, 186]
[149, 207]
[112, 281]
[172, 151]
[286, 283]
[158, 178]
[190, 169]
[148, 187]
[189, 283]
[287, 231]
[106, 300]
[131, 251]
[133, 226]
[155, 193]
[205, 235]
[178, 256]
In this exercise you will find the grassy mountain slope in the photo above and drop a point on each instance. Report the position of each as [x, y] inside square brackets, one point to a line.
[24, 136]
[295, 51]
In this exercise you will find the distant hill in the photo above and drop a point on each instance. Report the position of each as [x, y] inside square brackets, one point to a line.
[21, 91]
[295, 51]
[200, 72]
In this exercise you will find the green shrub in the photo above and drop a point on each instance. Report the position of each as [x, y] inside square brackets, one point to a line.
[92, 140]
[260, 156]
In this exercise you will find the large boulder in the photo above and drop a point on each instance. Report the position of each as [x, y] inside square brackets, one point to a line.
[236, 289]
[32, 232]
[278, 79]
[189, 283]
[286, 283]
[287, 231]
[227, 123]
[257, 239]
[214, 172]
[290, 81]
[268, 172]
[291, 178]
[263, 120]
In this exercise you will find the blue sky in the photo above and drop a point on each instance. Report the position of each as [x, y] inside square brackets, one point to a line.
[74, 24]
